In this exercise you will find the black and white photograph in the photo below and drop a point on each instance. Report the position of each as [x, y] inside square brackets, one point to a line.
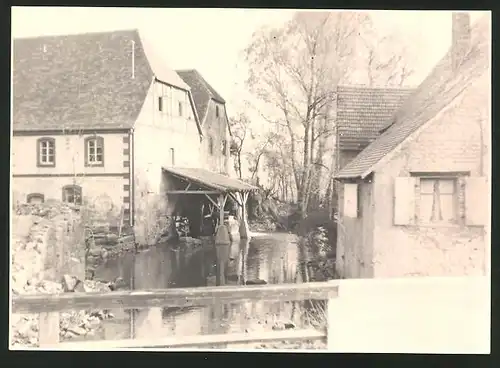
[229, 179]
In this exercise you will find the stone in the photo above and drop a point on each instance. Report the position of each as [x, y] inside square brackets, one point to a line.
[256, 282]
[112, 238]
[95, 251]
[77, 330]
[80, 287]
[69, 283]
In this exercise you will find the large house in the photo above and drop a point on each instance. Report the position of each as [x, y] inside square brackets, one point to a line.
[415, 201]
[98, 119]
[211, 109]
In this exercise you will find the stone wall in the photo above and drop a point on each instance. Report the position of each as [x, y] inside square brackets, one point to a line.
[47, 242]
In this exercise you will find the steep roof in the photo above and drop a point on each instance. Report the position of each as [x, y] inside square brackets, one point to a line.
[362, 112]
[202, 91]
[437, 91]
[84, 81]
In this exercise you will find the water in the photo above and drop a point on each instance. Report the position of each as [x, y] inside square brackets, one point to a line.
[274, 258]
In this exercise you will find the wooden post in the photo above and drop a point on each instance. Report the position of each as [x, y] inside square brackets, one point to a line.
[48, 329]
[220, 203]
[222, 256]
[148, 323]
[333, 314]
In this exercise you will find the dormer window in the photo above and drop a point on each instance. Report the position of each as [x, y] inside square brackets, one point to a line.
[46, 152]
[94, 151]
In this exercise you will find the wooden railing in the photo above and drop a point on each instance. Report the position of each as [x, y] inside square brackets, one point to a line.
[152, 301]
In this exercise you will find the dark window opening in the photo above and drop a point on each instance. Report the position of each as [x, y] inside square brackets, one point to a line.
[72, 194]
[211, 145]
[160, 103]
[35, 198]
[224, 147]
[216, 111]
[180, 108]
[172, 156]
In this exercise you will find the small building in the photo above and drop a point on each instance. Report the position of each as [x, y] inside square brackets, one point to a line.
[211, 109]
[98, 120]
[415, 201]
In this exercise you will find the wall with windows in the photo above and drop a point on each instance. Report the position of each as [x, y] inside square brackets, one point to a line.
[165, 135]
[431, 199]
[98, 191]
[67, 154]
[42, 166]
[216, 138]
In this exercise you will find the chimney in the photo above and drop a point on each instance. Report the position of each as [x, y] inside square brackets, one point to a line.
[460, 38]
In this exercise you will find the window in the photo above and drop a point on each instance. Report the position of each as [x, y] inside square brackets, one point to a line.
[72, 194]
[224, 146]
[438, 200]
[94, 151]
[180, 108]
[35, 198]
[216, 111]
[211, 145]
[160, 103]
[351, 192]
[172, 156]
[46, 152]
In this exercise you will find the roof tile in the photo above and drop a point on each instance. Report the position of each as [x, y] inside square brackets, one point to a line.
[363, 111]
[83, 81]
[202, 91]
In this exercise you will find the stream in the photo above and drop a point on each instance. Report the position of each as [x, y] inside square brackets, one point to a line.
[274, 258]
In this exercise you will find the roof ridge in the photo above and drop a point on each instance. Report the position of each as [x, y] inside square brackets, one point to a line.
[124, 30]
[388, 88]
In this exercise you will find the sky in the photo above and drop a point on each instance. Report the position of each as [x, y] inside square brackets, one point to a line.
[211, 40]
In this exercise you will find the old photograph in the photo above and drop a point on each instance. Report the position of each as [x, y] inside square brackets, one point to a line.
[250, 179]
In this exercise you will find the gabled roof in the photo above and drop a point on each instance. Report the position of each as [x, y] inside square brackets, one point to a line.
[202, 91]
[363, 111]
[84, 81]
[437, 91]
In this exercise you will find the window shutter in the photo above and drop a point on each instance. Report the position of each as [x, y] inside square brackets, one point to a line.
[351, 200]
[476, 197]
[404, 200]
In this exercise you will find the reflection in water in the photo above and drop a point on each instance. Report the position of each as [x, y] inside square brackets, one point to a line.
[273, 258]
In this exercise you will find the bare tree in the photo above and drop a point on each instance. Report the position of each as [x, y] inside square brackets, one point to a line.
[387, 58]
[240, 129]
[296, 70]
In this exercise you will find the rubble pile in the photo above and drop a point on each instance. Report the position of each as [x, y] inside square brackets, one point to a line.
[72, 324]
[33, 228]
[48, 209]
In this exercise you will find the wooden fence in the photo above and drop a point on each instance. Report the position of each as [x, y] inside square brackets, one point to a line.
[152, 301]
